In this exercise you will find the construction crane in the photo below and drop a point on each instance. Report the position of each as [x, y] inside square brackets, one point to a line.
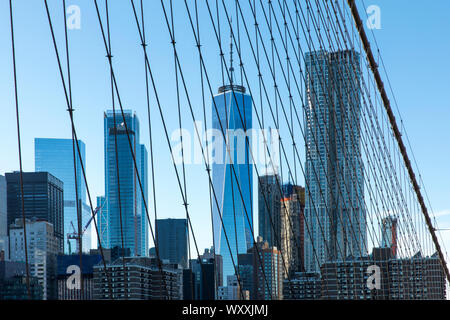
[75, 236]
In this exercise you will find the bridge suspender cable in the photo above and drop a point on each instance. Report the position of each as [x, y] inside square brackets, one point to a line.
[396, 131]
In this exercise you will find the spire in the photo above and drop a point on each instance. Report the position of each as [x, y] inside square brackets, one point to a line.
[231, 53]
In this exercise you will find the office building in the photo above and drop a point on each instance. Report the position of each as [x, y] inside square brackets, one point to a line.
[4, 240]
[269, 209]
[13, 283]
[232, 171]
[207, 271]
[57, 157]
[42, 248]
[246, 272]
[75, 283]
[334, 208]
[43, 200]
[123, 173]
[172, 237]
[144, 280]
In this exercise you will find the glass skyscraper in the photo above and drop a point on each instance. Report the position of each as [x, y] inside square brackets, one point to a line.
[56, 157]
[232, 103]
[172, 240]
[134, 218]
[334, 209]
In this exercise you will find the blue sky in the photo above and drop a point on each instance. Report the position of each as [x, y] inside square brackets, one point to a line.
[413, 40]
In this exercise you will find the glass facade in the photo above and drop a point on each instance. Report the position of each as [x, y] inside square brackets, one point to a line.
[172, 239]
[334, 172]
[56, 156]
[43, 200]
[134, 218]
[228, 187]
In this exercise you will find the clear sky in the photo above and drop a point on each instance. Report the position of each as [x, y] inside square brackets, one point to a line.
[414, 44]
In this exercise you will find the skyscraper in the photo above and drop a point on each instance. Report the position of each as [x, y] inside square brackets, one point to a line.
[267, 272]
[129, 203]
[43, 200]
[232, 116]
[334, 174]
[172, 239]
[269, 196]
[389, 234]
[56, 156]
[292, 228]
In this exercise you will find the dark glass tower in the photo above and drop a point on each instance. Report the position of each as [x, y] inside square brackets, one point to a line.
[43, 199]
[172, 239]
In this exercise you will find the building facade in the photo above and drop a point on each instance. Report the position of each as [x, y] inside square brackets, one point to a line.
[415, 278]
[75, 283]
[57, 157]
[267, 272]
[42, 248]
[389, 234]
[4, 239]
[269, 209]
[172, 237]
[43, 200]
[302, 286]
[13, 282]
[232, 116]
[129, 202]
[142, 280]
[334, 172]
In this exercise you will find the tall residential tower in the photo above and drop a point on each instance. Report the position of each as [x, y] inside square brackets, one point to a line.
[334, 208]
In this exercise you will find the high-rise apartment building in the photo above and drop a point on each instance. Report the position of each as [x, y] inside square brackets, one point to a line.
[267, 271]
[56, 156]
[334, 209]
[43, 200]
[122, 174]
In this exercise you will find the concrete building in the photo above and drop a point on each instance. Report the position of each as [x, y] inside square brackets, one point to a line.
[142, 280]
[302, 286]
